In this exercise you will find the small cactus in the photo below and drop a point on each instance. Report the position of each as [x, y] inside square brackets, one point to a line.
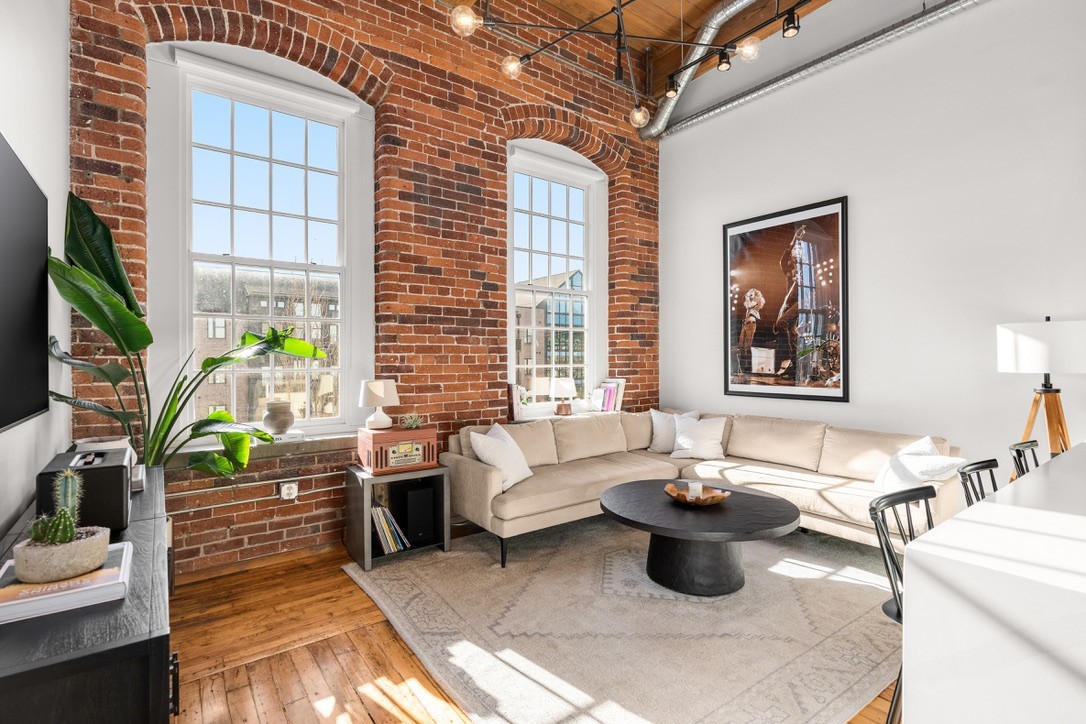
[61, 528]
[412, 421]
[39, 529]
[67, 491]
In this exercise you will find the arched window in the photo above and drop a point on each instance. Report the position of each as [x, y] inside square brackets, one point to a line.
[557, 272]
[255, 232]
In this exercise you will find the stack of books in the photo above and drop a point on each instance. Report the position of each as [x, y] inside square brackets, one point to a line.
[388, 530]
[20, 600]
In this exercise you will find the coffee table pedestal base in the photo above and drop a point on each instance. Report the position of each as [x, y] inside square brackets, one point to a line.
[695, 567]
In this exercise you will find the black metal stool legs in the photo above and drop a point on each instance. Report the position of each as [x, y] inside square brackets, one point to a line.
[894, 715]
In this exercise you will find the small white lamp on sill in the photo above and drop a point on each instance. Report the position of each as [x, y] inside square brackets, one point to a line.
[563, 389]
[378, 394]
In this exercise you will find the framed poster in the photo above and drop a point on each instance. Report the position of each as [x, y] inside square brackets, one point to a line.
[786, 305]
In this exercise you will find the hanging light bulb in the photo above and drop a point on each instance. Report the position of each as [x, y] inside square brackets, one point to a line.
[790, 29]
[464, 21]
[639, 116]
[723, 62]
[512, 65]
[749, 49]
[672, 87]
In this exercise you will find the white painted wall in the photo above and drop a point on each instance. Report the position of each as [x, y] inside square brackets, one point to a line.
[962, 150]
[34, 120]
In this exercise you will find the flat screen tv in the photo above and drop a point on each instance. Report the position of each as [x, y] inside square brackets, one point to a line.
[24, 367]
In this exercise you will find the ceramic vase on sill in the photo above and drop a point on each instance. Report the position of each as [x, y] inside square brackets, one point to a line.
[278, 418]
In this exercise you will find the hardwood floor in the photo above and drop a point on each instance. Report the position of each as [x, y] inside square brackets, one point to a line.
[295, 640]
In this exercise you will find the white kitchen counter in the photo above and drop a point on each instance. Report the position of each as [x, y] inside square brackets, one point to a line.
[995, 605]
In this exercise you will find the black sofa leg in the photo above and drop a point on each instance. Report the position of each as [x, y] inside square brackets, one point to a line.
[504, 550]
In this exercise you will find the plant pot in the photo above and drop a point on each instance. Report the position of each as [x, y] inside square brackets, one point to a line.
[45, 563]
[278, 418]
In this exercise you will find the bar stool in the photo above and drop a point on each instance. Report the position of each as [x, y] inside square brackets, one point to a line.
[1021, 462]
[972, 478]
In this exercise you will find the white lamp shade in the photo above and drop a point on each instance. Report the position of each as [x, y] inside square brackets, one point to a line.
[563, 387]
[1040, 347]
[378, 393]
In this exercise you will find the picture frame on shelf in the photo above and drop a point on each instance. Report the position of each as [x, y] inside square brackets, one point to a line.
[786, 304]
[620, 391]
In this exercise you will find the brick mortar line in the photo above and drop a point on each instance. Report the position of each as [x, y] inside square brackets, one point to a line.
[288, 479]
[260, 500]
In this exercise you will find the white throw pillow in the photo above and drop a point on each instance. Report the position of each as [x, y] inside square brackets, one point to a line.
[498, 448]
[916, 464]
[699, 438]
[663, 430]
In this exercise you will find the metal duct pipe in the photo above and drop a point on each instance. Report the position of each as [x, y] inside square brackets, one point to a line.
[887, 35]
[722, 13]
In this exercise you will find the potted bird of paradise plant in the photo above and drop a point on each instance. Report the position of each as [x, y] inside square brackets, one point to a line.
[93, 280]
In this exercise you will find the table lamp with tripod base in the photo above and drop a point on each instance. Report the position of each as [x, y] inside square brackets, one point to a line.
[1044, 348]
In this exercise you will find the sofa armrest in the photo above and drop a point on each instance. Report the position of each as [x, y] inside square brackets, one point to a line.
[473, 484]
[949, 499]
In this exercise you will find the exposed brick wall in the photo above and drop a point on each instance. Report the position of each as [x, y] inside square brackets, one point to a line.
[443, 117]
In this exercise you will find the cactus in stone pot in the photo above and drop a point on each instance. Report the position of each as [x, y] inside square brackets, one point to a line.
[57, 549]
[412, 421]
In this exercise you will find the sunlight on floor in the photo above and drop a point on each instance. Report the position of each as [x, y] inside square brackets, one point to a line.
[325, 706]
[518, 686]
[800, 569]
[375, 694]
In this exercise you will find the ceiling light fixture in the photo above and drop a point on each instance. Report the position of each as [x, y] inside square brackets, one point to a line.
[464, 21]
[790, 28]
[512, 65]
[749, 49]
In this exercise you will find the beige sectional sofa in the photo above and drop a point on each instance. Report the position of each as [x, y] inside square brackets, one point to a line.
[826, 471]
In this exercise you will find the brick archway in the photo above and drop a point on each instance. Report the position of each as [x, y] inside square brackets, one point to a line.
[572, 130]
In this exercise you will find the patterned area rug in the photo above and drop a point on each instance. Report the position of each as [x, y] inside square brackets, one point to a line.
[574, 631]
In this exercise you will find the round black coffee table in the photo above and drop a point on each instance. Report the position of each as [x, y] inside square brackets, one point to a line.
[697, 550]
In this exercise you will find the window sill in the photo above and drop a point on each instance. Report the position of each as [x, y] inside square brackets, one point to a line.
[316, 443]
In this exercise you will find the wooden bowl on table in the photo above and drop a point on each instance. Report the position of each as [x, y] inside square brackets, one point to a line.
[709, 496]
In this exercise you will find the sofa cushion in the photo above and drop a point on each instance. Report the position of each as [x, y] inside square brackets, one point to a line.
[590, 436]
[861, 454]
[727, 426]
[637, 426]
[828, 496]
[776, 440]
[680, 463]
[535, 439]
[578, 481]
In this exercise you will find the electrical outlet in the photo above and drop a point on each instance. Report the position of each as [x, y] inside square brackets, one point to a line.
[288, 491]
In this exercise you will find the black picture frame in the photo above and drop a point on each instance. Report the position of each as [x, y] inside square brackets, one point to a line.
[785, 299]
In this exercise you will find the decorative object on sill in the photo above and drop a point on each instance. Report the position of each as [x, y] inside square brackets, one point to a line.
[464, 21]
[610, 395]
[289, 436]
[104, 479]
[563, 389]
[97, 287]
[378, 394]
[397, 450]
[596, 401]
[518, 397]
[700, 497]
[278, 417]
[57, 549]
[1044, 348]
[411, 421]
[790, 270]
[112, 442]
[620, 391]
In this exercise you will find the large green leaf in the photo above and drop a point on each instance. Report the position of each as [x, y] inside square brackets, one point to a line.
[213, 463]
[99, 305]
[214, 426]
[119, 415]
[89, 243]
[110, 372]
[274, 342]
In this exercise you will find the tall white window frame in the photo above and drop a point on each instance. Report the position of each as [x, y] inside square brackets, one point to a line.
[558, 165]
[170, 294]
